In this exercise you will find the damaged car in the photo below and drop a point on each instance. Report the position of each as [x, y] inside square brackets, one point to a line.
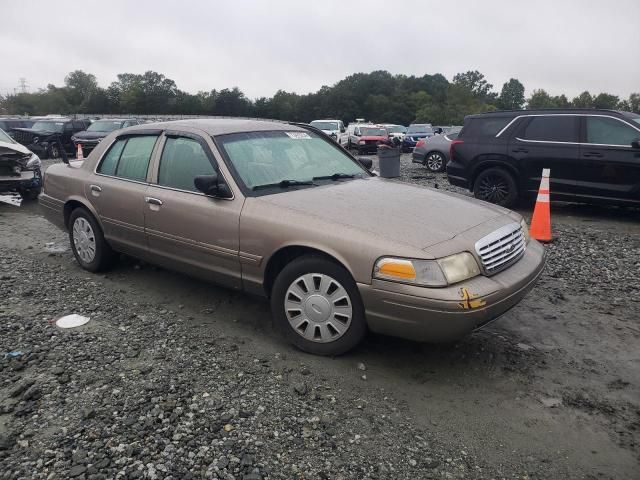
[282, 211]
[19, 169]
[47, 137]
[89, 138]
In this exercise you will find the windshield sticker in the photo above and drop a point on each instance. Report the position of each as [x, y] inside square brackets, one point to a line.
[298, 135]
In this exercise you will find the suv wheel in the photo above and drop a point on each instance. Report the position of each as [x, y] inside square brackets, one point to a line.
[317, 305]
[54, 152]
[496, 185]
[434, 161]
[89, 247]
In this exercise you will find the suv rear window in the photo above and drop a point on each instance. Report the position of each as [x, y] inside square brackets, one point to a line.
[484, 127]
[552, 128]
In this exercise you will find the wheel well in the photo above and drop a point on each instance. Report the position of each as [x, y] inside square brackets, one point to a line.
[491, 164]
[69, 207]
[284, 256]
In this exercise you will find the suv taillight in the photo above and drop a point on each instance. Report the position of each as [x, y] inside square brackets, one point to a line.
[420, 143]
[452, 147]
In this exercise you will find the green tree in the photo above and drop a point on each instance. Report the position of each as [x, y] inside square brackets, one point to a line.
[512, 95]
[634, 102]
[584, 100]
[540, 99]
[606, 100]
[475, 82]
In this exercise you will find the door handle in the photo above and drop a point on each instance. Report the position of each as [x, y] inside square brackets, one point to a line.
[95, 188]
[520, 150]
[592, 155]
[153, 201]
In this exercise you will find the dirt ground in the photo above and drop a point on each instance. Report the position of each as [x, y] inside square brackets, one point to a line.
[551, 389]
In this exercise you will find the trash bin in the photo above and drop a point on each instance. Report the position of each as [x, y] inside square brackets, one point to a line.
[389, 161]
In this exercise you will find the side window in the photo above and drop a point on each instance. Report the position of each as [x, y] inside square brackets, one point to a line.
[110, 160]
[68, 127]
[608, 131]
[558, 128]
[485, 127]
[182, 160]
[134, 160]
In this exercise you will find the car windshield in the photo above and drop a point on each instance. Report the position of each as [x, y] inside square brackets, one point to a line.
[265, 158]
[48, 126]
[451, 136]
[418, 128]
[396, 129]
[104, 126]
[5, 138]
[325, 125]
[373, 132]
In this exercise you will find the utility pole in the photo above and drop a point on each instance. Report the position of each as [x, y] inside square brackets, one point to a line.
[23, 85]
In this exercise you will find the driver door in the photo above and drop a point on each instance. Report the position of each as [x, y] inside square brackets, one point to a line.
[186, 229]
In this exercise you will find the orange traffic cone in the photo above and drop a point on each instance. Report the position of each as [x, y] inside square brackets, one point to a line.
[79, 154]
[541, 221]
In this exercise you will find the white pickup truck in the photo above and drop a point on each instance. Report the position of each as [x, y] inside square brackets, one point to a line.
[334, 128]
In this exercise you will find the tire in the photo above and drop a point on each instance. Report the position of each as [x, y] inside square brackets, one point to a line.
[54, 152]
[435, 162]
[317, 327]
[84, 233]
[30, 194]
[496, 185]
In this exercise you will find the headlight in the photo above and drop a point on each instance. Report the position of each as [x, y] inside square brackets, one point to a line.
[34, 162]
[525, 230]
[74, 138]
[428, 273]
[36, 139]
[361, 142]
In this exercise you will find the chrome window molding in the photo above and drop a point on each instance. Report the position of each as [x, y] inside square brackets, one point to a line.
[574, 143]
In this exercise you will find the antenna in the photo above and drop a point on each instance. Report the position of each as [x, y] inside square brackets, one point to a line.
[23, 85]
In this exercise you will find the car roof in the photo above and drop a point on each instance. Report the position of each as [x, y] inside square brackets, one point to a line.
[542, 111]
[223, 126]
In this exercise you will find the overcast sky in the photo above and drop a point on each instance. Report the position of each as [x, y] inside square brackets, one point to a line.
[563, 46]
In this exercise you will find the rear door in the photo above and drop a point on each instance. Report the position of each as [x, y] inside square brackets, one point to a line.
[610, 165]
[548, 141]
[186, 229]
[117, 190]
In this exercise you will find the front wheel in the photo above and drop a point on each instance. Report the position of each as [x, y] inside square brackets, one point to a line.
[317, 305]
[496, 185]
[434, 161]
[91, 250]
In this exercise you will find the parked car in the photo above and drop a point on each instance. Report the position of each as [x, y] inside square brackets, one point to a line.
[353, 131]
[259, 206]
[334, 128]
[594, 155]
[19, 169]
[7, 124]
[369, 137]
[396, 132]
[416, 132]
[433, 152]
[47, 136]
[97, 130]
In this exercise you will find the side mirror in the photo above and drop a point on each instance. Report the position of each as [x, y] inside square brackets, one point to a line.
[210, 185]
[342, 130]
[635, 144]
[366, 162]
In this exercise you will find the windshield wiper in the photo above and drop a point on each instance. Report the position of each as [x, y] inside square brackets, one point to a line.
[283, 184]
[335, 176]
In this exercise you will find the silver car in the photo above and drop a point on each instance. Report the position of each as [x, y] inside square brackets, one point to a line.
[433, 152]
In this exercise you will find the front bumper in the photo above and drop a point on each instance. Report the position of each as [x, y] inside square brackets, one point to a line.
[447, 314]
[27, 180]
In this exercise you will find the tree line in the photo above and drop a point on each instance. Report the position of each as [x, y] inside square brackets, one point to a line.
[378, 96]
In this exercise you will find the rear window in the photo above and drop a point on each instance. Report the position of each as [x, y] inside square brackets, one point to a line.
[556, 128]
[129, 158]
[484, 127]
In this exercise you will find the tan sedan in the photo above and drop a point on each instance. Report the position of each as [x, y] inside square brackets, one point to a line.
[280, 210]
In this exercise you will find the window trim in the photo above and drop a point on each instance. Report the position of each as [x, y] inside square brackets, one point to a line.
[520, 131]
[568, 114]
[207, 151]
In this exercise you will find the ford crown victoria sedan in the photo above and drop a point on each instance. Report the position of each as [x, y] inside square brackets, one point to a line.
[280, 210]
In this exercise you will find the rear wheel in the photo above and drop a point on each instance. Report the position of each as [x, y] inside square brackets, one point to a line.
[496, 185]
[317, 304]
[54, 152]
[434, 161]
[89, 247]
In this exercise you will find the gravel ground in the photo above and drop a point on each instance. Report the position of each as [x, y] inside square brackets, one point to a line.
[175, 378]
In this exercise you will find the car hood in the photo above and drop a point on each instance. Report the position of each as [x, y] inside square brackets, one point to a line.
[84, 135]
[14, 155]
[7, 148]
[34, 133]
[392, 211]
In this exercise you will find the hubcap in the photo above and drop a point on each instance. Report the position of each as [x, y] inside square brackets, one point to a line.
[84, 240]
[434, 161]
[493, 188]
[318, 308]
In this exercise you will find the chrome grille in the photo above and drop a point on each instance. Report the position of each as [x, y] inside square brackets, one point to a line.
[501, 248]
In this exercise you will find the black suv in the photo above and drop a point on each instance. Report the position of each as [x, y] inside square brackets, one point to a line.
[7, 124]
[46, 136]
[99, 129]
[594, 155]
